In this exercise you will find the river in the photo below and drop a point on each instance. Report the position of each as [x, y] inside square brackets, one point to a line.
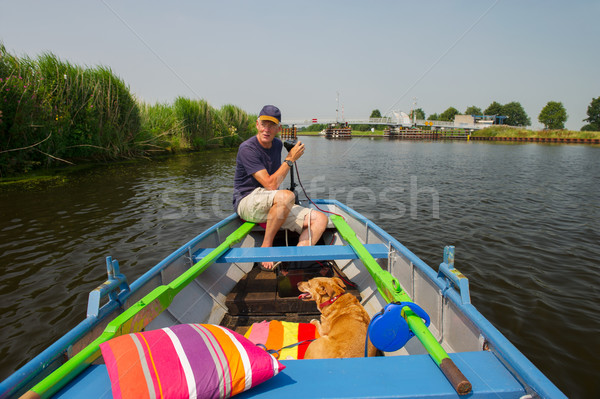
[525, 220]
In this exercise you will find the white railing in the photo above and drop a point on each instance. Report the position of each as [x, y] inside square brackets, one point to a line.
[356, 121]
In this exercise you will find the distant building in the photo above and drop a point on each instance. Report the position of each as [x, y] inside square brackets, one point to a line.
[465, 120]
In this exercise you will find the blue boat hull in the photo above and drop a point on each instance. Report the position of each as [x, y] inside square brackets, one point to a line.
[492, 364]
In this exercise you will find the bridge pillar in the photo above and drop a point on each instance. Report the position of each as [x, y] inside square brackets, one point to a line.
[289, 133]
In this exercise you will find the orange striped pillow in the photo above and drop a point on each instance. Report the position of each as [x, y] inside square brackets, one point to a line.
[282, 334]
[187, 360]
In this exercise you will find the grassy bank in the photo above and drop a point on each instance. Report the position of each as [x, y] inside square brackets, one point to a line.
[367, 133]
[55, 113]
[504, 131]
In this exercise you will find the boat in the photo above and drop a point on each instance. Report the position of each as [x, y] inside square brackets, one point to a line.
[451, 350]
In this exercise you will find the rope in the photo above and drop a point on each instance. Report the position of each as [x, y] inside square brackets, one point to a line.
[309, 232]
[307, 197]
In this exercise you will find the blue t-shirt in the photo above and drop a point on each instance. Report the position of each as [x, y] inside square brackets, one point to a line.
[251, 158]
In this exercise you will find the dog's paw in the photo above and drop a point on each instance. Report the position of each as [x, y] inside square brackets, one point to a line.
[315, 322]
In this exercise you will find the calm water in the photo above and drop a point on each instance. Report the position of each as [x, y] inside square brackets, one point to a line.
[525, 220]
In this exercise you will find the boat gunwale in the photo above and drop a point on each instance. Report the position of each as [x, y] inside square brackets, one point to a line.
[506, 351]
[39, 364]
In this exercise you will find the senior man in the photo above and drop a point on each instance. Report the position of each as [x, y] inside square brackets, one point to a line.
[258, 174]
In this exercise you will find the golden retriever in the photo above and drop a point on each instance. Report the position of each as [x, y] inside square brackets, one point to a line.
[344, 322]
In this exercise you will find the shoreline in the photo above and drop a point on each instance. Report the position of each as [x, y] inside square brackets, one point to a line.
[564, 140]
[495, 133]
[59, 175]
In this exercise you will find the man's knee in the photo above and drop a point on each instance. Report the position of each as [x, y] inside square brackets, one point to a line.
[317, 219]
[321, 219]
[285, 197]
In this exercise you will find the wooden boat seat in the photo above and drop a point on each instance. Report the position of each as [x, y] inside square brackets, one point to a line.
[378, 377]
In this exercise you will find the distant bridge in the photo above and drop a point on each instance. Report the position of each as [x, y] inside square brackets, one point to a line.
[400, 119]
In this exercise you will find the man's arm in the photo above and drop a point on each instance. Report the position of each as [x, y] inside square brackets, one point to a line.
[272, 182]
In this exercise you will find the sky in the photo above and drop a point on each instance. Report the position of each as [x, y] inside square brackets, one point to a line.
[308, 56]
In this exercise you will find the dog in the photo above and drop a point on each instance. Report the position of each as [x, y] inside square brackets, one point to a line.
[344, 322]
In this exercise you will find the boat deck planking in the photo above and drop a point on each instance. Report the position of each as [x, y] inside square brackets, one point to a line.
[266, 295]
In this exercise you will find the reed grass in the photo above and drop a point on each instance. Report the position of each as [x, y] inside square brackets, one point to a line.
[193, 124]
[57, 112]
[53, 112]
[161, 130]
[238, 125]
[199, 121]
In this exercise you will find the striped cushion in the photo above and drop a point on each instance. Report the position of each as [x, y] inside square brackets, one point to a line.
[280, 334]
[187, 360]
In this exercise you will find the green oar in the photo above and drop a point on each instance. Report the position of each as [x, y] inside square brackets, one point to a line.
[134, 319]
[389, 287]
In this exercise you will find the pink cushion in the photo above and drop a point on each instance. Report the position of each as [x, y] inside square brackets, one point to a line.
[263, 225]
[186, 361]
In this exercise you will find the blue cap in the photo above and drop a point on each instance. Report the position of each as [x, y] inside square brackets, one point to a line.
[270, 113]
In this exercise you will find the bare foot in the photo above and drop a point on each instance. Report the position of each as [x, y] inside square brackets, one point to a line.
[268, 265]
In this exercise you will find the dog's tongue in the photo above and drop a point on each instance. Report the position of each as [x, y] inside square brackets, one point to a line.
[304, 295]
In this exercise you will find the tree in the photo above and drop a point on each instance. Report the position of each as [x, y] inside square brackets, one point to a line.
[419, 113]
[473, 110]
[516, 114]
[593, 113]
[315, 127]
[449, 114]
[433, 117]
[495, 108]
[375, 114]
[553, 115]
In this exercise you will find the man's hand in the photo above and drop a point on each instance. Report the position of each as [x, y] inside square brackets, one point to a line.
[296, 152]
[272, 182]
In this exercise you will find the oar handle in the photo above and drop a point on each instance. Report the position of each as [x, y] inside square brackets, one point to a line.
[458, 380]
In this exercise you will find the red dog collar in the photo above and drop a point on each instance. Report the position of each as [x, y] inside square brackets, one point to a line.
[329, 302]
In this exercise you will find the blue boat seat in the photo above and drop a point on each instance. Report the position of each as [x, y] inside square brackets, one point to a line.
[381, 377]
[93, 382]
[290, 254]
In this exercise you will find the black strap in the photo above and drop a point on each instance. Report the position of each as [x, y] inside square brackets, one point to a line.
[275, 352]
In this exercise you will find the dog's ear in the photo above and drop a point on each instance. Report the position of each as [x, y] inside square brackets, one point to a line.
[322, 289]
[334, 286]
[339, 282]
[331, 289]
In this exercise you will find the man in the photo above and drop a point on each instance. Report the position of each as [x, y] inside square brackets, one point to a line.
[258, 174]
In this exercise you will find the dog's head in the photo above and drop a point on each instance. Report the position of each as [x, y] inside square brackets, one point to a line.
[321, 289]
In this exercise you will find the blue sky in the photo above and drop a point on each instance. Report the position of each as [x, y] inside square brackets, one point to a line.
[298, 55]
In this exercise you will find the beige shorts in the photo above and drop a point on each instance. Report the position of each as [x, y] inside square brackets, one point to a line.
[255, 206]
